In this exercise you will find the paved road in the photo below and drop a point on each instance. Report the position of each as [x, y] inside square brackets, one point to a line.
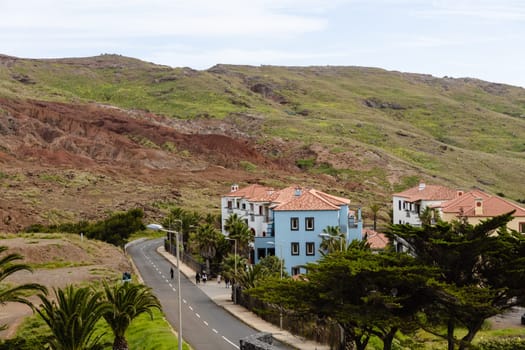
[205, 326]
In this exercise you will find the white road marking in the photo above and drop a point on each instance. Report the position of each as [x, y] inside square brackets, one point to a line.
[213, 329]
[191, 308]
[196, 314]
[229, 341]
[184, 301]
[206, 323]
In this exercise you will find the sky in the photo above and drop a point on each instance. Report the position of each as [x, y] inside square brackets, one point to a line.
[482, 39]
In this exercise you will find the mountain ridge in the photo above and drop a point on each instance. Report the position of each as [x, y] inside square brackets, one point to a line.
[357, 131]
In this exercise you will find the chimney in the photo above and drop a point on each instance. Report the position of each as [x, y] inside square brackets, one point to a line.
[298, 191]
[422, 186]
[478, 209]
[234, 188]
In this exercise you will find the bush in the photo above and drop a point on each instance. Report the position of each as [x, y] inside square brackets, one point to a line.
[503, 344]
[115, 230]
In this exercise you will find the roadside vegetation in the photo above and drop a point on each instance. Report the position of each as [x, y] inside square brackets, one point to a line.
[437, 297]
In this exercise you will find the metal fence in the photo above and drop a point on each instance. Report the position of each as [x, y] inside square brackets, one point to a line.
[308, 326]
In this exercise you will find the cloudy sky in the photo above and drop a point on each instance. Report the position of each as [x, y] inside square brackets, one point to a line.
[483, 39]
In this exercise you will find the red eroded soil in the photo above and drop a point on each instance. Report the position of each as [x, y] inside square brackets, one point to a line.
[64, 162]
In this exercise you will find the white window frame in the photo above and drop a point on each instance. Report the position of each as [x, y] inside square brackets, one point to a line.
[309, 223]
[310, 248]
[295, 248]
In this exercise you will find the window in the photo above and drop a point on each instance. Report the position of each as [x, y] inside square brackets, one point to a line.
[251, 207]
[294, 224]
[243, 206]
[260, 210]
[230, 205]
[521, 228]
[270, 251]
[309, 224]
[310, 248]
[295, 248]
[399, 204]
[261, 253]
[296, 270]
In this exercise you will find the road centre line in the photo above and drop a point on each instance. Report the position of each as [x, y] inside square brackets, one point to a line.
[229, 341]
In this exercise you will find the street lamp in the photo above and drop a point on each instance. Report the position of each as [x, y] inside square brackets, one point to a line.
[340, 238]
[234, 268]
[157, 227]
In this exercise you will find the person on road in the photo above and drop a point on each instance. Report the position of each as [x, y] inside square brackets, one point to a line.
[204, 277]
[198, 277]
[171, 272]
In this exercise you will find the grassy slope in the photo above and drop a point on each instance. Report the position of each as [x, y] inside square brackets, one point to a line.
[462, 132]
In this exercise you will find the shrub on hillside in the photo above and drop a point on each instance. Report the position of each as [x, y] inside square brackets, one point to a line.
[115, 230]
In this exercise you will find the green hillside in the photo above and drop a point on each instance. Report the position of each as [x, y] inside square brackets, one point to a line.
[382, 129]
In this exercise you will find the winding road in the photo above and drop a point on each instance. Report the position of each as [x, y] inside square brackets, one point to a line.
[205, 325]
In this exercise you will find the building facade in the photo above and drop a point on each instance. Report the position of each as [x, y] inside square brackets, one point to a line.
[477, 205]
[288, 222]
[407, 206]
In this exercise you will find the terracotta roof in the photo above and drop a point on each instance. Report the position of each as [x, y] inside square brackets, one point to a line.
[254, 192]
[375, 239]
[491, 205]
[311, 199]
[428, 192]
[287, 198]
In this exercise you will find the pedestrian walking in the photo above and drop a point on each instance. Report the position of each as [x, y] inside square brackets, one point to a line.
[204, 277]
[171, 272]
[219, 278]
[198, 277]
[226, 282]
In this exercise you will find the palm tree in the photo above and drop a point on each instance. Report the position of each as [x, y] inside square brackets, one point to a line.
[16, 293]
[126, 301]
[375, 209]
[231, 221]
[239, 230]
[228, 266]
[207, 239]
[252, 276]
[72, 318]
[334, 242]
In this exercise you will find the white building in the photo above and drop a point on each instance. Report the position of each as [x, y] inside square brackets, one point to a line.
[409, 204]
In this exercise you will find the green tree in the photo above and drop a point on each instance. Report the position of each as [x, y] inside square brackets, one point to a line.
[375, 210]
[366, 294]
[426, 216]
[125, 302]
[17, 293]
[252, 276]
[239, 230]
[481, 272]
[72, 318]
[207, 239]
[273, 265]
[333, 241]
[228, 266]
[117, 228]
[184, 222]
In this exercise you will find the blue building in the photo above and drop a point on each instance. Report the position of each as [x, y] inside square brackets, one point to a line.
[288, 222]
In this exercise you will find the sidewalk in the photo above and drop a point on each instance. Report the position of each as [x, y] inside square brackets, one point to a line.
[222, 297]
